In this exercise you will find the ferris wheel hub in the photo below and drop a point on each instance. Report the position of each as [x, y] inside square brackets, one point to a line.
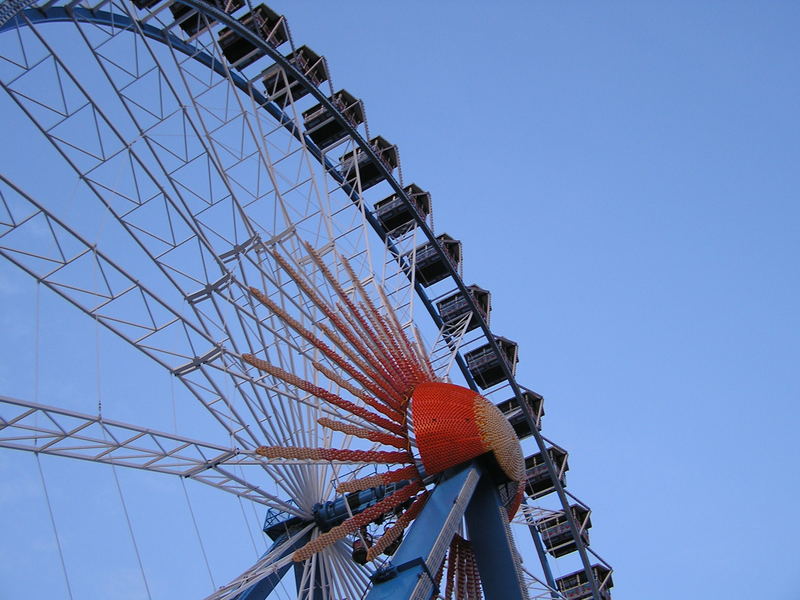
[451, 425]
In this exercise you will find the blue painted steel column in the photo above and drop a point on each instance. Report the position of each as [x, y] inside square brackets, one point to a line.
[498, 562]
[410, 574]
[264, 588]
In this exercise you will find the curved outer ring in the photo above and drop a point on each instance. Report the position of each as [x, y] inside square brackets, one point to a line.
[63, 14]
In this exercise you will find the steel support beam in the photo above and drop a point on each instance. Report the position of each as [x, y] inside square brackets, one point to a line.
[492, 544]
[411, 572]
[470, 493]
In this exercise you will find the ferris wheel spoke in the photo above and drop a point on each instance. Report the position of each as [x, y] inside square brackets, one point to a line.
[214, 320]
[353, 577]
[291, 201]
[252, 152]
[78, 271]
[83, 275]
[66, 264]
[332, 579]
[397, 283]
[199, 220]
[37, 428]
[134, 202]
[287, 477]
[274, 563]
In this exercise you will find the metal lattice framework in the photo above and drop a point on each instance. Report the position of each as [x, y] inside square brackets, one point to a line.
[194, 185]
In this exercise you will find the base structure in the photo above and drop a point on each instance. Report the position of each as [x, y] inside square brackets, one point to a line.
[466, 494]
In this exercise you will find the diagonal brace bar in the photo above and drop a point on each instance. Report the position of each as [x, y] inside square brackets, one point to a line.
[495, 552]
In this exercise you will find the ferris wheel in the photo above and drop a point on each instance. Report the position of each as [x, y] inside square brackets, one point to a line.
[215, 214]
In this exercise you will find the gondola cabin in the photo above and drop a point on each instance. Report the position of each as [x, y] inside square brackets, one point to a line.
[486, 367]
[192, 22]
[323, 128]
[576, 586]
[455, 307]
[538, 478]
[265, 23]
[283, 88]
[430, 266]
[357, 165]
[557, 534]
[396, 216]
[513, 412]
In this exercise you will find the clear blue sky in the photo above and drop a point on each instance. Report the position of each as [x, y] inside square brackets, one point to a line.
[624, 179]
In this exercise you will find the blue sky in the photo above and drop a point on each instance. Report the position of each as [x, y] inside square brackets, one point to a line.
[623, 176]
[624, 180]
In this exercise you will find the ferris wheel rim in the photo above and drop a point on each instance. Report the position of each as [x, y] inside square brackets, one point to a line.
[366, 147]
